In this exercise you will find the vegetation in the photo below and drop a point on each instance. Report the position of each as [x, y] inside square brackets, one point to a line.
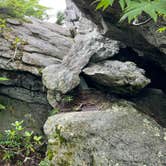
[3, 79]
[18, 146]
[54, 111]
[60, 18]
[2, 107]
[132, 9]
[67, 99]
[21, 8]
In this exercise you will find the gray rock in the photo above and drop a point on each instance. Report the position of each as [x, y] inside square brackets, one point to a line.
[76, 20]
[33, 114]
[24, 98]
[24, 94]
[21, 79]
[58, 49]
[91, 46]
[105, 48]
[41, 44]
[59, 78]
[19, 66]
[13, 21]
[65, 77]
[121, 77]
[117, 135]
[39, 59]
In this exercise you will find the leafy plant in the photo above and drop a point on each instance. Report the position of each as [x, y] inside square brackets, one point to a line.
[21, 8]
[2, 24]
[3, 79]
[132, 9]
[67, 99]
[18, 145]
[54, 111]
[162, 29]
[2, 107]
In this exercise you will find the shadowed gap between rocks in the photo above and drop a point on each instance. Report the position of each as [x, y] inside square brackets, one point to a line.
[151, 99]
[153, 71]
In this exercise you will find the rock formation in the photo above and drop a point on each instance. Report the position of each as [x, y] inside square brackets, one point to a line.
[117, 126]
[25, 49]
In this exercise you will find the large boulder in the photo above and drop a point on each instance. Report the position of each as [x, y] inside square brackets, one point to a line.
[116, 135]
[120, 77]
[64, 77]
[60, 78]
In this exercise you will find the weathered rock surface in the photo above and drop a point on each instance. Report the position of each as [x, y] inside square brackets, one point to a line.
[120, 77]
[74, 16]
[25, 99]
[33, 114]
[60, 78]
[29, 46]
[90, 47]
[65, 76]
[116, 135]
[39, 59]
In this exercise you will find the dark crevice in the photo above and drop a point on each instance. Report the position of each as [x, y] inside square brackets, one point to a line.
[153, 71]
[21, 79]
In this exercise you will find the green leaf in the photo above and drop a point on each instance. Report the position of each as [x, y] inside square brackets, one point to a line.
[122, 4]
[2, 107]
[104, 4]
[3, 79]
[162, 29]
[134, 8]
[152, 8]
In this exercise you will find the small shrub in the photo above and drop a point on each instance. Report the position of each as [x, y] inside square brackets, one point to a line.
[18, 145]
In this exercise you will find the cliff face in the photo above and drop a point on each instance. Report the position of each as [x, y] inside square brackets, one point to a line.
[113, 72]
[25, 49]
